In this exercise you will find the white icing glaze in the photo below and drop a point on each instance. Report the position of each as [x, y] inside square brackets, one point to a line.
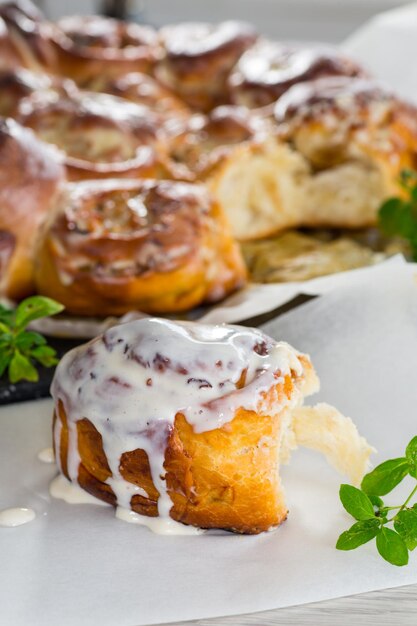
[132, 381]
[158, 525]
[16, 516]
[46, 455]
[71, 493]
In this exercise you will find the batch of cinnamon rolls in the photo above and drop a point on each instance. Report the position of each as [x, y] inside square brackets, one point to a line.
[134, 164]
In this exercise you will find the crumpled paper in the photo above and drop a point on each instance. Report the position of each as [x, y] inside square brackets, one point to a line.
[254, 300]
[80, 566]
[387, 47]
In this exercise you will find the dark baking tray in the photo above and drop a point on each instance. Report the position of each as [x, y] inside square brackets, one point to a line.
[26, 390]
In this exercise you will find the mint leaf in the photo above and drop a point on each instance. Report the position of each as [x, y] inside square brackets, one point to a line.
[33, 308]
[5, 358]
[45, 355]
[385, 477]
[411, 455]
[20, 368]
[392, 547]
[405, 524]
[28, 339]
[376, 501]
[358, 534]
[356, 502]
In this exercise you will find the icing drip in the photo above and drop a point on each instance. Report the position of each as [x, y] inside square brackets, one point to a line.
[132, 381]
[9, 518]
[46, 455]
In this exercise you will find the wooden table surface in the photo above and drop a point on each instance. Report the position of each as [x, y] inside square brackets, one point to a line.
[391, 607]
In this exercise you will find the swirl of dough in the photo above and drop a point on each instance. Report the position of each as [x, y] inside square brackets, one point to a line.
[269, 68]
[199, 57]
[117, 245]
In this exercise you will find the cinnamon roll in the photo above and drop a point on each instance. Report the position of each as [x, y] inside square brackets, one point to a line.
[29, 36]
[20, 83]
[269, 69]
[142, 89]
[336, 154]
[198, 58]
[186, 424]
[117, 245]
[102, 136]
[30, 180]
[88, 46]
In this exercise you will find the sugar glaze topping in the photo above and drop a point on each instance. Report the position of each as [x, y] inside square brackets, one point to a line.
[133, 380]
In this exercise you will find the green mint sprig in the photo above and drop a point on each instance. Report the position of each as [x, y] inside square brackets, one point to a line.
[393, 527]
[398, 216]
[20, 349]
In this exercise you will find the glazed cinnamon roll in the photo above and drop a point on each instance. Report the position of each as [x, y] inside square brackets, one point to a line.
[269, 69]
[186, 424]
[88, 46]
[30, 180]
[336, 154]
[142, 89]
[113, 246]
[29, 36]
[207, 139]
[199, 57]
[20, 83]
[356, 137]
[102, 136]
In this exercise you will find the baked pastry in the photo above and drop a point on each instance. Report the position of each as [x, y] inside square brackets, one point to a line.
[205, 140]
[337, 151]
[294, 256]
[117, 245]
[142, 89]
[102, 136]
[182, 422]
[30, 179]
[20, 83]
[356, 137]
[269, 69]
[87, 46]
[198, 58]
[29, 37]
[9, 55]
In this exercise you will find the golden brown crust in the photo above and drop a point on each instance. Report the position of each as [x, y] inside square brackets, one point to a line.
[141, 89]
[198, 58]
[102, 136]
[269, 69]
[154, 246]
[206, 139]
[18, 84]
[87, 46]
[30, 179]
[29, 35]
[206, 484]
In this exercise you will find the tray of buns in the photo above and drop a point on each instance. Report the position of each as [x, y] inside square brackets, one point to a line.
[159, 171]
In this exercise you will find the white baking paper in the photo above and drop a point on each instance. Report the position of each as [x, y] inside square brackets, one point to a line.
[80, 566]
[387, 47]
[253, 300]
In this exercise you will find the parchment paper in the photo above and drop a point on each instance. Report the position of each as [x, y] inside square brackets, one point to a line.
[387, 46]
[79, 566]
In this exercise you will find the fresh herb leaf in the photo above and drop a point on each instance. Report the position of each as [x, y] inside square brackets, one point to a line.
[391, 547]
[358, 534]
[356, 502]
[20, 349]
[406, 526]
[394, 527]
[34, 308]
[398, 215]
[21, 368]
[411, 455]
[385, 477]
